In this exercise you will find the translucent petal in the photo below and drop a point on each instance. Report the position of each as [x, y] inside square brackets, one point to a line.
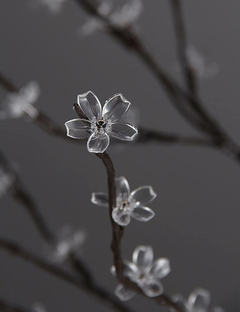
[217, 309]
[160, 268]
[152, 288]
[142, 195]
[122, 188]
[91, 26]
[78, 128]
[98, 143]
[143, 214]
[199, 299]
[38, 307]
[181, 301]
[131, 270]
[100, 199]
[115, 108]
[90, 105]
[30, 92]
[120, 217]
[123, 131]
[143, 256]
[123, 293]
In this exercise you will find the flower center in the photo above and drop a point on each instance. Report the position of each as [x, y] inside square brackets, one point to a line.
[101, 124]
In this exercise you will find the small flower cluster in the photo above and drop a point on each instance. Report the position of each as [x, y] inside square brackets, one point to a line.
[21, 104]
[145, 272]
[123, 16]
[198, 301]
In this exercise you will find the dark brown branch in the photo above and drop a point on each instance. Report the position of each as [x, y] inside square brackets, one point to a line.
[88, 287]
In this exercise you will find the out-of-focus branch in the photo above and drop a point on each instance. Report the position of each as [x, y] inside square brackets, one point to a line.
[89, 287]
[6, 306]
[181, 38]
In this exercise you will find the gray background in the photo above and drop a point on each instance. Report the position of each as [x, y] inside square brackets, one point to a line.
[198, 204]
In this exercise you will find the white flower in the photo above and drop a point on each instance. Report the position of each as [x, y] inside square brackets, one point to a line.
[55, 6]
[101, 123]
[198, 301]
[20, 104]
[7, 179]
[123, 16]
[69, 240]
[128, 204]
[145, 272]
[38, 307]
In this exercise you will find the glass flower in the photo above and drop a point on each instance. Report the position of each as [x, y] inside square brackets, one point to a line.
[55, 6]
[101, 123]
[38, 307]
[121, 16]
[7, 180]
[128, 204]
[145, 272]
[20, 104]
[69, 240]
[198, 301]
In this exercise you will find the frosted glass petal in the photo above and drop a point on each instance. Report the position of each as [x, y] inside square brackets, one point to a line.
[120, 217]
[123, 293]
[122, 188]
[100, 199]
[30, 92]
[123, 131]
[78, 128]
[152, 288]
[143, 256]
[143, 195]
[98, 143]
[143, 214]
[160, 268]
[199, 299]
[90, 105]
[131, 270]
[181, 301]
[115, 108]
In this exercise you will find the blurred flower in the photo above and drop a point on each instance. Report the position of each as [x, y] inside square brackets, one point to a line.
[101, 123]
[202, 67]
[20, 104]
[145, 272]
[123, 16]
[69, 240]
[38, 307]
[7, 179]
[198, 301]
[128, 204]
[55, 6]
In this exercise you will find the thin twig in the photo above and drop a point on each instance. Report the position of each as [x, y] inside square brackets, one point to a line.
[89, 287]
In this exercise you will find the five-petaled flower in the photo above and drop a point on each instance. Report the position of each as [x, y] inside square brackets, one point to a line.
[128, 204]
[101, 123]
[123, 16]
[145, 272]
[20, 104]
[198, 301]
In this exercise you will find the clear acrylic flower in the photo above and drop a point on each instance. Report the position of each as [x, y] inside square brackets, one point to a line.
[7, 180]
[123, 15]
[54, 6]
[69, 241]
[198, 301]
[145, 272]
[20, 104]
[100, 123]
[38, 307]
[129, 204]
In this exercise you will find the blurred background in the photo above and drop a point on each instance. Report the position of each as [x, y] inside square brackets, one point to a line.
[198, 204]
